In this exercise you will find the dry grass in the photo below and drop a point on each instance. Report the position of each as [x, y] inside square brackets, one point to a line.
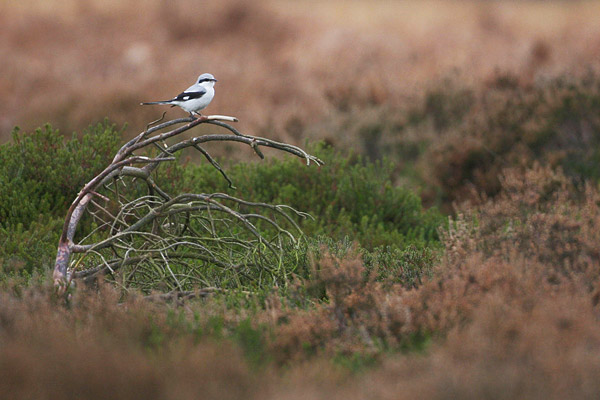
[98, 349]
[511, 312]
[280, 63]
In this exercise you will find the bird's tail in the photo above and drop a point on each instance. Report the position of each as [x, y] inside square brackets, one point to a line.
[156, 102]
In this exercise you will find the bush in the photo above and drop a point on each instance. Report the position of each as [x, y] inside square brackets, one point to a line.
[454, 140]
[554, 122]
[347, 196]
[40, 174]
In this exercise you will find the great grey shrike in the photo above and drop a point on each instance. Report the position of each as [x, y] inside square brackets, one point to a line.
[194, 98]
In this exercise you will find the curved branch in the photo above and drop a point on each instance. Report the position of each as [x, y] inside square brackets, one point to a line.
[134, 216]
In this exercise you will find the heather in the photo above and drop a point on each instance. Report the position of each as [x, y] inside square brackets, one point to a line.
[451, 249]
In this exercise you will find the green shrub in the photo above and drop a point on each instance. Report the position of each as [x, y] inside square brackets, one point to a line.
[40, 174]
[25, 248]
[348, 197]
[407, 266]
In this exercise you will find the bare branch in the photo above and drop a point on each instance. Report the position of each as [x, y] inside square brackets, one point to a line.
[215, 164]
[143, 239]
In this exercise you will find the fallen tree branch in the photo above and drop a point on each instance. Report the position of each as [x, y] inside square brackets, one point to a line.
[164, 237]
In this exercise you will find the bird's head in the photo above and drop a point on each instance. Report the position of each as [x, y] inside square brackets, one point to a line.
[206, 80]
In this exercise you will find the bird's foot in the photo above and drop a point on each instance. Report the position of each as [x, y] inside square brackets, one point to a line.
[199, 116]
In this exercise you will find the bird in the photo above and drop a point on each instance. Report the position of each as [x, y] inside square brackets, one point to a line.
[194, 98]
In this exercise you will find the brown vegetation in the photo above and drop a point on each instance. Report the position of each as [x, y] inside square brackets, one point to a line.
[279, 63]
[511, 311]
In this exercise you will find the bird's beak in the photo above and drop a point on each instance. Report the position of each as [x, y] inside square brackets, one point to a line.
[214, 80]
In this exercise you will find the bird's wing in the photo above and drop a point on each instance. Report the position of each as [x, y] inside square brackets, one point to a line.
[194, 93]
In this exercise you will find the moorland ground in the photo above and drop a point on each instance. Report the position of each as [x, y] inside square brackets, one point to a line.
[454, 249]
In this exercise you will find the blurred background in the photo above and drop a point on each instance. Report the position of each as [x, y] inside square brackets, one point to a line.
[283, 65]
